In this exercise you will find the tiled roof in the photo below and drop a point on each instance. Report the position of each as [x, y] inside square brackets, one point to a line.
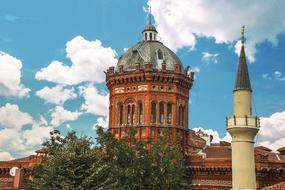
[263, 148]
[42, 150]
[222, 150]
[278, 186]
[218, 152]
[281, 150]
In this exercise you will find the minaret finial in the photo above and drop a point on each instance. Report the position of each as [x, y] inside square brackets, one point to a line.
[149, 14]
[242, 35]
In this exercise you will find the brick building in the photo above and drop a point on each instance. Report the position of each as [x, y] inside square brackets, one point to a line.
[149, 92]
[23, 165]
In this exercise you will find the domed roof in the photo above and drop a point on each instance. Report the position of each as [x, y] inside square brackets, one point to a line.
[149, 27]
[148, 51]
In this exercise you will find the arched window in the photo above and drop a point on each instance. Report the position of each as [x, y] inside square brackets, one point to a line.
[133, 114]
[121, 114]
[154, 36]
[169, 113]
[128, 114]
[145, 36]
[150, 36]
[159, 55]
[161, 112]
[140, 112]
[153, 112]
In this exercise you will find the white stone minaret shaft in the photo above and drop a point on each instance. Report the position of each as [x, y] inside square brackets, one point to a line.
[243, 128]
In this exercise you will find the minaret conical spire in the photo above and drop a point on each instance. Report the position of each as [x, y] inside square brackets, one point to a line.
[242, 80]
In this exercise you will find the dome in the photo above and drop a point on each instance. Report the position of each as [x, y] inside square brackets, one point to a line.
[149, 27]
[148, 51]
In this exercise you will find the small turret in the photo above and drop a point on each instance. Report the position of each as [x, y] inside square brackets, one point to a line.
[149, 32]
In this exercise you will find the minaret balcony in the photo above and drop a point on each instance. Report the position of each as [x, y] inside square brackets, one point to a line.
[246, 121]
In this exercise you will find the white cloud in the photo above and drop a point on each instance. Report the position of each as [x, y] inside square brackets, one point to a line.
[250, 50]
[96, 102]
[272, 131]
[215, 134]
[184, 20]
[102, 122]
[14, 138]
[60, 115]
[265, 76]
[279, 76]
[36, 135]
[196, 69]
[10, 77]
[56, 95]
[88, 61]
[210, 57]
[12, 117]
[68, 126]
[5, 156]
[11, 140]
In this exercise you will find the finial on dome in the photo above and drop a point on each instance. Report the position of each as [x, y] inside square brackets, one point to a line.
[149, 32]
[242, 35]
[149, 14]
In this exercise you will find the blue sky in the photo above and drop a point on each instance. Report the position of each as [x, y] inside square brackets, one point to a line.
[36, 34]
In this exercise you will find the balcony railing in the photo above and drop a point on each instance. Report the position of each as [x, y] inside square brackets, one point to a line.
[249, 121]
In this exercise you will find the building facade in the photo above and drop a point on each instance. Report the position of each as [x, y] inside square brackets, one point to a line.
[149, 92]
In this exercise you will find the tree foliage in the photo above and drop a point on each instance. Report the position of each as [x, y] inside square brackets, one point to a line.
[129, 164]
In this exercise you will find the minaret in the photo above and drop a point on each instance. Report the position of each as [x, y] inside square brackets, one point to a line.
[243, 127]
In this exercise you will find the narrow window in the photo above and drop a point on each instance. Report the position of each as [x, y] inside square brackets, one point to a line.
[133, 114]
[169, 113]
[140, 112]
[159, 54]
[121, 114]
[182, 114]
[153, 112]
[179, 116]
[154, 36]
[161, 112]
[145, 36]
[150, 36]
[128, 114]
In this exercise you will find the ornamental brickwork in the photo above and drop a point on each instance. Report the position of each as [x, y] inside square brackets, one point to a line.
[149, 101]
[149, 92]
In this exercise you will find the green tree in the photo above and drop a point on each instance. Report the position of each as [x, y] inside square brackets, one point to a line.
[80, 163]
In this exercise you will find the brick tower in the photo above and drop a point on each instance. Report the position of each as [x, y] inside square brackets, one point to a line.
[149, 90]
